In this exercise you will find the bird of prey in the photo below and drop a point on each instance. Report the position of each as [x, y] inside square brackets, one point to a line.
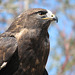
[24, 46]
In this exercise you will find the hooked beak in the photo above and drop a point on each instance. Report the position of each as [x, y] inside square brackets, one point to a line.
[55, 19]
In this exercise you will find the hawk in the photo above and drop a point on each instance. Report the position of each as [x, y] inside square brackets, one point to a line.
[24, 47]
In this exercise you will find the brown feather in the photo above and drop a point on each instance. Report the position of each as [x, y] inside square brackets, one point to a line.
[30, 34]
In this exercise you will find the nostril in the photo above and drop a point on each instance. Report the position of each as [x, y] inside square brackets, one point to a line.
[51, 15]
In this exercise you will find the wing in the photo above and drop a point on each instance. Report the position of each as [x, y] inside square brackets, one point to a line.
[8, 46]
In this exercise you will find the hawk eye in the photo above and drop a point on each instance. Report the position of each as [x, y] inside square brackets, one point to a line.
[42, 12]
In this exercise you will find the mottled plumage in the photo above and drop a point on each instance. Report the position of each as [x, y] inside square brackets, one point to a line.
[24, 47]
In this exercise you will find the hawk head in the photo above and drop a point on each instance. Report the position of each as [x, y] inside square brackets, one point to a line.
[39, 18]
[33, 18]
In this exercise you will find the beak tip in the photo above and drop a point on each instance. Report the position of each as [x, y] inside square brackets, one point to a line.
[56, 19]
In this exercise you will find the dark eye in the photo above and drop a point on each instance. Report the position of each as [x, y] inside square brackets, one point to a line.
[42, 13]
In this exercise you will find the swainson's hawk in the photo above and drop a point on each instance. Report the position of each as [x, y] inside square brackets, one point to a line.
[24, 47]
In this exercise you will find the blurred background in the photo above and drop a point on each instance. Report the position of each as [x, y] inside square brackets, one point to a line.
[61, 60]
